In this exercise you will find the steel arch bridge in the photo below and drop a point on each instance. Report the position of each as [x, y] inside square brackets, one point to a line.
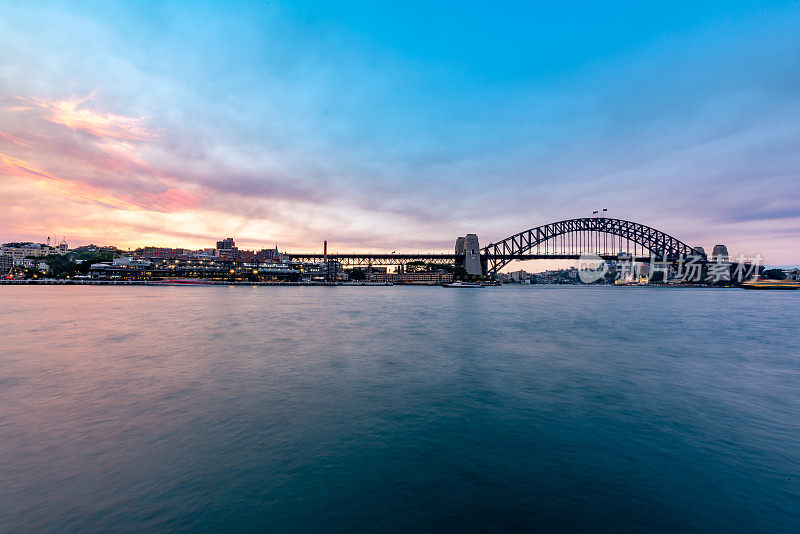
[570, 238]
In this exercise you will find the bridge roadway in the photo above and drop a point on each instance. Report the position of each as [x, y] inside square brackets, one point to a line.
[401, 259]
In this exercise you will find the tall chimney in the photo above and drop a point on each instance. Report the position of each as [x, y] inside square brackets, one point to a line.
[325, 251]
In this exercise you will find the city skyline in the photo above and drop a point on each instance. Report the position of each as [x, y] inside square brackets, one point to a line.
[173, 124]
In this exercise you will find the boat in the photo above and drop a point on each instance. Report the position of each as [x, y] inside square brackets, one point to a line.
[462, 284]
[771, 284]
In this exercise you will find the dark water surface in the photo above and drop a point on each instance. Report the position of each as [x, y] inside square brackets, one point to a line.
[398, 408]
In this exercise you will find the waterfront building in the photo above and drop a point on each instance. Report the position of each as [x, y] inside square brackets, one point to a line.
[24, 262]
[133, 270]
[268, 271]
[192, 266]
[130, 261]
[382, 277]
[6, 263]
[439, 276]
[313, 272]
[162, 252]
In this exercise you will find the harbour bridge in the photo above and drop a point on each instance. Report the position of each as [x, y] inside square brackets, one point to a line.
[605, 237]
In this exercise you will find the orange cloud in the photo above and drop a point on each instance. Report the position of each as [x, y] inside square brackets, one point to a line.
[71, 114]
[19, 168]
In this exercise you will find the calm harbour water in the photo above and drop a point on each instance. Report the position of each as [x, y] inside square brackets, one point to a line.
[398, 409]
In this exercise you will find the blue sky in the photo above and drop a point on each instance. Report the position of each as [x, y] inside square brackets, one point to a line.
[399, 125]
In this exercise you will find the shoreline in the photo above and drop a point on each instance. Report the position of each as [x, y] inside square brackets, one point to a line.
[173, 284]
[155, 283]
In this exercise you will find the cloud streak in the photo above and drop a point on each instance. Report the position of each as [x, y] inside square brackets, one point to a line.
[72, 113]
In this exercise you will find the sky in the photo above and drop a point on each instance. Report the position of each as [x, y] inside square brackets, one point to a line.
[398, 126]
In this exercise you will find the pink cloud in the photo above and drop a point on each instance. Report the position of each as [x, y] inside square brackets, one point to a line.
[169, 200]
[173, 199]
[19, 168]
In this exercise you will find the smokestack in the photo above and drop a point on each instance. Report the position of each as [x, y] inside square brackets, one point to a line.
[325, 251]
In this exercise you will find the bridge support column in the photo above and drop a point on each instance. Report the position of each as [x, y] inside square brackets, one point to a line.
[469, 247]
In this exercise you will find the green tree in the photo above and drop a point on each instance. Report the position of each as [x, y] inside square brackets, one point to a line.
[61, 266]
[460, 273]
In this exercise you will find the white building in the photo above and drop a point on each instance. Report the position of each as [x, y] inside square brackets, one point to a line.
[32, 250]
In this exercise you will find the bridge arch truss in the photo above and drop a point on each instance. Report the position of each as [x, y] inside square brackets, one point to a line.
[602, 236]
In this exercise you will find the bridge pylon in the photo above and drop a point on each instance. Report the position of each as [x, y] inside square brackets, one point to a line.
[470, 248]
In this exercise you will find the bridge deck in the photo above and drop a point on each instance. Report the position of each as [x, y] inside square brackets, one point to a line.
[396, 259]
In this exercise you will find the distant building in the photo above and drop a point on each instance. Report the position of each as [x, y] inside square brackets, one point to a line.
[227, 243]
[518, 276]
[25, 250]
[162, 252]
[269, 254]
[227, 249]
[6, 263]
